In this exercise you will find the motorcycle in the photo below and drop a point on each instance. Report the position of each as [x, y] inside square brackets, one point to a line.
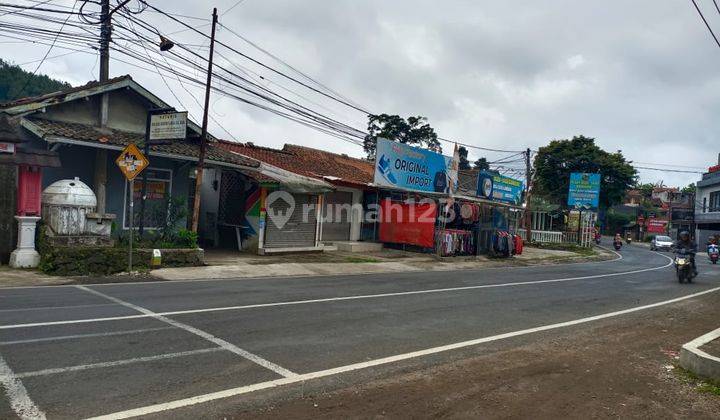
[617, 245]
[628, 240]
[684, 266]
[713, 253]
[597, 239]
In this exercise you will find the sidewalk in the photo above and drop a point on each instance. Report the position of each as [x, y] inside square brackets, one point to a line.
[338, 263]
[228, 265]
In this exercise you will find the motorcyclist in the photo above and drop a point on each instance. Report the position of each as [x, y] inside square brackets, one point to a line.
[686, 244]
[617, 240]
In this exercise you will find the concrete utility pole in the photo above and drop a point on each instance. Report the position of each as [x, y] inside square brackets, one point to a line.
[100, 177]
[203, 135]
[528, 179]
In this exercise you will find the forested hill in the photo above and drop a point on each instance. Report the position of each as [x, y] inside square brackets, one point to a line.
[13, 79]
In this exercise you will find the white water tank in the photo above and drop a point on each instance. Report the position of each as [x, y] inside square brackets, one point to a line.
[65, 205]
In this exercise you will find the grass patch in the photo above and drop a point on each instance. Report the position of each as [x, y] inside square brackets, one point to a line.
[361, 260]
[700, 384]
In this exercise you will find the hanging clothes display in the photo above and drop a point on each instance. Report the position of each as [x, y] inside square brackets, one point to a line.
[455, 242]
[505, 244]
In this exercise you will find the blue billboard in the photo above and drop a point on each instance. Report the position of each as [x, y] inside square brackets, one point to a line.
[584, 191]
[398, 165]
[496, 187]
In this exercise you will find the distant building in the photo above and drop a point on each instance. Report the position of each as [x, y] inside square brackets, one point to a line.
[707, 205]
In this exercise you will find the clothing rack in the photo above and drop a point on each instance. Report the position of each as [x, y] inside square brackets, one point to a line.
[455, 242]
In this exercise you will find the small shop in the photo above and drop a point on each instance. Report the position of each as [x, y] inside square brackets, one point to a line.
[418, 211]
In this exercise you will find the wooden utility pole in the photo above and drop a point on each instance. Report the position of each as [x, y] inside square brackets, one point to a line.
[528, 212]
[203, 136]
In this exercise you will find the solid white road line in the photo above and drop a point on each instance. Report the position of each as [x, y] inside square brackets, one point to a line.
[49, 308]
[200, 333]
[80, 336]
[333, 299]
[66, 369]
[20, 402]
[304, 276]
[158, 408]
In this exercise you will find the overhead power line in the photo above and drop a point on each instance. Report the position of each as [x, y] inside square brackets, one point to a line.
[707, 25]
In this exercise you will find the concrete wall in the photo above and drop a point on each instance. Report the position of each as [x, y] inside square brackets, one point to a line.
[126, 111]
[209, 200]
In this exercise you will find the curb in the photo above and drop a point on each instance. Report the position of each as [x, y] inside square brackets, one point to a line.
[698, 361]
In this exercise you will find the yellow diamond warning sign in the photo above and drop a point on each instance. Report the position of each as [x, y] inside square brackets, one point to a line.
[131, 162]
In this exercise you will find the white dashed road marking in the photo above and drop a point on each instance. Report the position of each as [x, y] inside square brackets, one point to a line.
[207, 336]
[158, 408]
[20, 402]
[53, 371]
[322, 300]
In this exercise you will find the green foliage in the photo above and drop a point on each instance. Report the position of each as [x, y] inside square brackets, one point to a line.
[555, 162]
[414, 131]
[464, 163]
[646, 190]
[481, 164]
[690, 189]
[616, 221]
[168, 215]
[13, 78]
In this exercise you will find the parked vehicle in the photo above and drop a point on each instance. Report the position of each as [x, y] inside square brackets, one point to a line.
[628, 239]
[661, 243]
[713, 253]
[597, 238]
[684, 265]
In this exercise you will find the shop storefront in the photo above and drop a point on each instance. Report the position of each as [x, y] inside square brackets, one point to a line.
[420, 208]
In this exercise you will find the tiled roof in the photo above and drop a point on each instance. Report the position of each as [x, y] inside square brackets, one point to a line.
[180, 148]
[62, 93]
[331, 167]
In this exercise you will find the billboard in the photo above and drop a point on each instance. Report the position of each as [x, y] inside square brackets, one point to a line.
[584, 191]
[398, 165]
[496, 187]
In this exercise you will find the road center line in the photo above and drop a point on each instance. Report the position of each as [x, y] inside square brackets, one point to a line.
[53, 371]
[80, 336]
[207, 336]
[50, 308]
[199, 399]
[20, 402]
[151, 314]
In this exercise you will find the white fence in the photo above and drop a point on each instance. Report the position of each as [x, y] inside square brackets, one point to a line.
[557, 237]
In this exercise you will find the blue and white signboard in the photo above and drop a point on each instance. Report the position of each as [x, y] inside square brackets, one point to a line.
[496, 187]
[584, 192]
[398, 165]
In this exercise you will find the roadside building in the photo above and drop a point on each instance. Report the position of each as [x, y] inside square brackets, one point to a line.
[707, 208]
[89, 137]
[340, 220]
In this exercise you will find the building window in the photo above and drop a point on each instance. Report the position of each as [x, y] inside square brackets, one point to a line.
[704, 209]
[714, 201]
[158, 196]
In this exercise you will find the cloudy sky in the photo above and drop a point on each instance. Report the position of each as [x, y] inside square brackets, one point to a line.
[642, 76]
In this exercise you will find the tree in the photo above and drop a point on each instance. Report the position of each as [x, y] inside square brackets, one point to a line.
[646, 190]
[481, 164]
[555, 162]
[414, 131]
[464, 163]
[17, 83]
[690, 189]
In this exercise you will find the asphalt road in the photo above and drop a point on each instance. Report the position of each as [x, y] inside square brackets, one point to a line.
[185, 349]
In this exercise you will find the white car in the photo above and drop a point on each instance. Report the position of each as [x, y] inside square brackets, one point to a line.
[661, 243]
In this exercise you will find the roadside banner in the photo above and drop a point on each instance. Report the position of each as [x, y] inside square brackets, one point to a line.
[398, 165]
[496, 187]
[584, 191]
